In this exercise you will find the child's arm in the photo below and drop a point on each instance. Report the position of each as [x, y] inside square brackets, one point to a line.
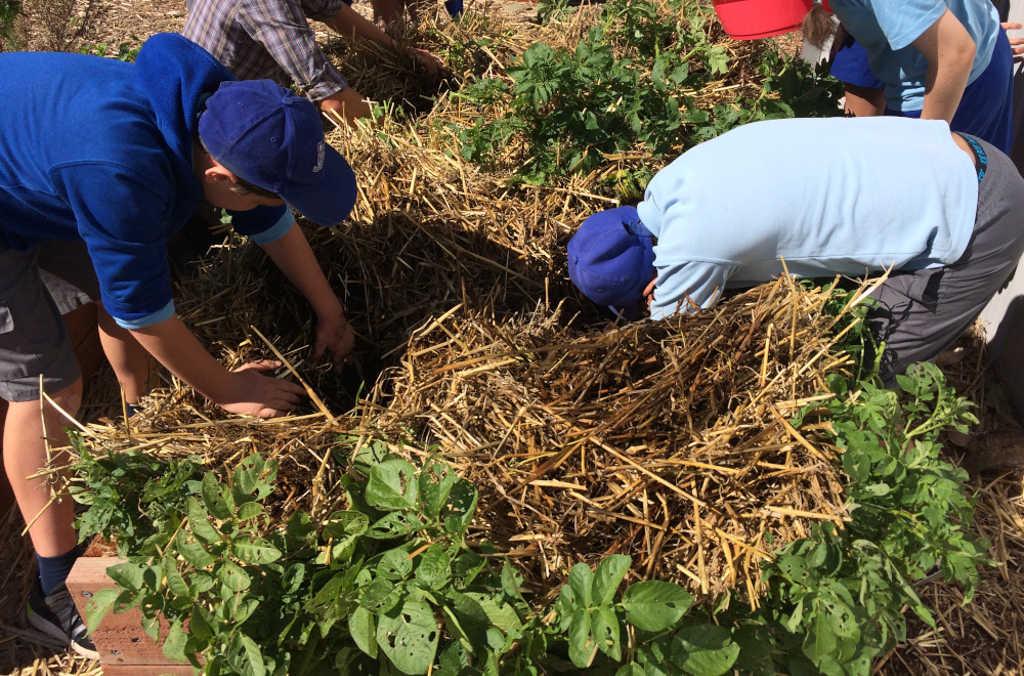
[114, 208]
[688, 287]
[292, 255]
[244, 391]
[949, 49]
[351, 25]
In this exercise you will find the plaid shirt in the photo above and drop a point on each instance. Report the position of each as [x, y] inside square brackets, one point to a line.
[267, 39]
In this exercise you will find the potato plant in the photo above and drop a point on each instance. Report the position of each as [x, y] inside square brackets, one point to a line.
[631, 85]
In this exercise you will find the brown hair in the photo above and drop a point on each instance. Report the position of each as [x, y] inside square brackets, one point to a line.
[818, 26]
[241, 186]
[244, 187]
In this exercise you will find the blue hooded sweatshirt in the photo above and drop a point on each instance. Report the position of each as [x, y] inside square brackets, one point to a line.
[100, 150]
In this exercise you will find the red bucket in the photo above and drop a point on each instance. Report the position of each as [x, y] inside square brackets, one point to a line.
[750, 19]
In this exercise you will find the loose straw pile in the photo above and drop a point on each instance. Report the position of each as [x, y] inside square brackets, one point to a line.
[667, 441]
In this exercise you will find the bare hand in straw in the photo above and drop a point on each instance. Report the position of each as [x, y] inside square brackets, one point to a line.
[334, 334]
[249, 392]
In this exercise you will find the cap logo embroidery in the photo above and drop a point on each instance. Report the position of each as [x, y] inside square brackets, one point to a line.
[321, 151]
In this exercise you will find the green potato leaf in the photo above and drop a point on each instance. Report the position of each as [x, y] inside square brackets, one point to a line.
[362, 628]
[654, 605]
[608, 577]
[409, 637]
[435, 567]
[255, 550]
[704, 650]
[392, 486]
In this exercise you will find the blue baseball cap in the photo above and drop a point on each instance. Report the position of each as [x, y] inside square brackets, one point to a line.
[273, 139]
[611, 260]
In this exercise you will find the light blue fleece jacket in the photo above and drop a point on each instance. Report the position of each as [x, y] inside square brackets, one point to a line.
[849, 196]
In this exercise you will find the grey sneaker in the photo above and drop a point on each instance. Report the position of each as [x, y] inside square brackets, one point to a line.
[55, 615]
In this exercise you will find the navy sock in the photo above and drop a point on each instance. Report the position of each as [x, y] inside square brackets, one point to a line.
[53, 570]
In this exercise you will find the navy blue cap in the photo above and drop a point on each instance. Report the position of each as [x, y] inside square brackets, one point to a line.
[273, 139]
[611, 259]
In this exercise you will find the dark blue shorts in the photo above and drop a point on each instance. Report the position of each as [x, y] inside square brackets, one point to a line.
[986, 109]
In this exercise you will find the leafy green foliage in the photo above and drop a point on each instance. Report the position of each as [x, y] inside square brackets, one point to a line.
[391, 580]
[132, 498]
[123, 52]
[654, 605]
[667, 641]
[9, 10]
[838, 597]
[629, 88]
[551, 10]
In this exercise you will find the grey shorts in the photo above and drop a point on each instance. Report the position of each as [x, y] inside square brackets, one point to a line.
[921, 313]
[36, 287]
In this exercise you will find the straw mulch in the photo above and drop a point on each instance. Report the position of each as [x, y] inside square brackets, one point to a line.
[667, 441]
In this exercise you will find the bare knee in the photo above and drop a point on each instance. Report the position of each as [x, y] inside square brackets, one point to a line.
[69, 398]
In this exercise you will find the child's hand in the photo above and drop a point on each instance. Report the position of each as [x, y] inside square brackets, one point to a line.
[251, 393]
[427, 60]
[334, 334]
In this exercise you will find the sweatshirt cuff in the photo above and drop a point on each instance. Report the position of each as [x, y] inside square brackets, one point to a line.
[328, 84]
[276, 231]
[164, 313]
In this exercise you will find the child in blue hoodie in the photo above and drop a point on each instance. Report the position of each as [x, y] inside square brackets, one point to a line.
[933, 59]
[102, 162]
[943, 212]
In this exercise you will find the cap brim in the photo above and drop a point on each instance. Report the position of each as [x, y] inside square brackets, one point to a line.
[330, 200]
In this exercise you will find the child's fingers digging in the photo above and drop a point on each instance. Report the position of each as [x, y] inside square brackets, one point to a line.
[251, 393]
[260, 365]
[292, 388]
[270, 412]
[285, 400]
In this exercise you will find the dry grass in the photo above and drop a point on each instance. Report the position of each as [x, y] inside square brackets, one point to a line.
[986, 634]
[56, 25]
[665, 441]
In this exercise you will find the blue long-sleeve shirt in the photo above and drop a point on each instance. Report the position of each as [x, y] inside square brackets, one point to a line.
[101, 150]
[829, 196]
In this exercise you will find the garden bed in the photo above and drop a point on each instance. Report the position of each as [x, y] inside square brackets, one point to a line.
[698, 451]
